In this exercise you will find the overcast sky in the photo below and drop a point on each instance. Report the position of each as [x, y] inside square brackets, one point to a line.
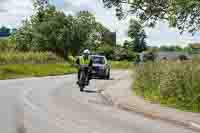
[12, 12]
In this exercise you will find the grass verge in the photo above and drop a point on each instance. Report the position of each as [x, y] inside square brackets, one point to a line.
[16, 57]
[121, 64]
[14, 71]
[170, 83]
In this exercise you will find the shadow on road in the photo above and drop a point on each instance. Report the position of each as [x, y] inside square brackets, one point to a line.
[97, 78]
[90, 91]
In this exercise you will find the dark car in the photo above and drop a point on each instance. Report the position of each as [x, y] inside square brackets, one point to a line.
[101, 68]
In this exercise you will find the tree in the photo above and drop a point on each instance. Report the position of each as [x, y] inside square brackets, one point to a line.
[40, 4]
[54, 33]
[84, 25]
[106, 50]
[137, 34]
[127, 44]
[5, 29]
[88, 32]
[171, 48]
[183, 14]
[51, 30]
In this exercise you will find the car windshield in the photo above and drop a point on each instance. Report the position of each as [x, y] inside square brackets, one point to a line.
[98, 60]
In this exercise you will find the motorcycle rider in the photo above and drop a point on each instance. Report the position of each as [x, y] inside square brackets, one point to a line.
[85, 60]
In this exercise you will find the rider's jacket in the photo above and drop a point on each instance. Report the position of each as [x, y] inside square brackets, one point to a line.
[82, 61]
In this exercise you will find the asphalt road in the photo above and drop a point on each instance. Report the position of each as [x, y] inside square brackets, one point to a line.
[55, 105]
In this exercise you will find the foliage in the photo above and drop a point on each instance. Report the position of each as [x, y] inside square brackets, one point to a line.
[137, 34]
[7, 44]
[52, 30]
[106, 50]
[121, 54]
[121, 64]
[171, 48]
[182, 14]
[14, 57]
[34, 70]
[50, 34]
[5, 29]
[175, 84]
[83, 34]
[149, 56]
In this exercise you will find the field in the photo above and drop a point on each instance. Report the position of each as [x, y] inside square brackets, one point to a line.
[172, 83]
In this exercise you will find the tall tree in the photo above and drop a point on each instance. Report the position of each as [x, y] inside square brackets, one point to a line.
[5, 29]
[84, 25]
[137, 34]
[183, 14]
[88, 32]
[40, 6]
[54, 33]
[51, 30]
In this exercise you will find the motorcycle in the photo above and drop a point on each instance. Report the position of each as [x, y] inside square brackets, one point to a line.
[83, 80]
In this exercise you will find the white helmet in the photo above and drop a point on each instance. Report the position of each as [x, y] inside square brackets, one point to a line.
[86, 51]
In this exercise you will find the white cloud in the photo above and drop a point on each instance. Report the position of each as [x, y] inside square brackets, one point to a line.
[163, 35]
[14, 11]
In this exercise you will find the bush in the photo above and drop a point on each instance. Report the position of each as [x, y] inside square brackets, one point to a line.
[176, 84]
[116, 53]
[7, 45]
[149, 56]
[121, 64]
[121, 54]
[28, 57]
[106, 50]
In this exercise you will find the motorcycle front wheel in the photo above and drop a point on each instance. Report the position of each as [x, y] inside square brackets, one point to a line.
[82, 81]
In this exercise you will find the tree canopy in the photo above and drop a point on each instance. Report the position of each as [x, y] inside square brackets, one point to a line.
[137, 34]
[183, 14]
[51, 30]
[171, 48]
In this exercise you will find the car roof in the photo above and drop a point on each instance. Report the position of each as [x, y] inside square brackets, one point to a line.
[98, 56]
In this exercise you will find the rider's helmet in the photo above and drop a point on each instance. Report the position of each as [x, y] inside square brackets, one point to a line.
[86, 52]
